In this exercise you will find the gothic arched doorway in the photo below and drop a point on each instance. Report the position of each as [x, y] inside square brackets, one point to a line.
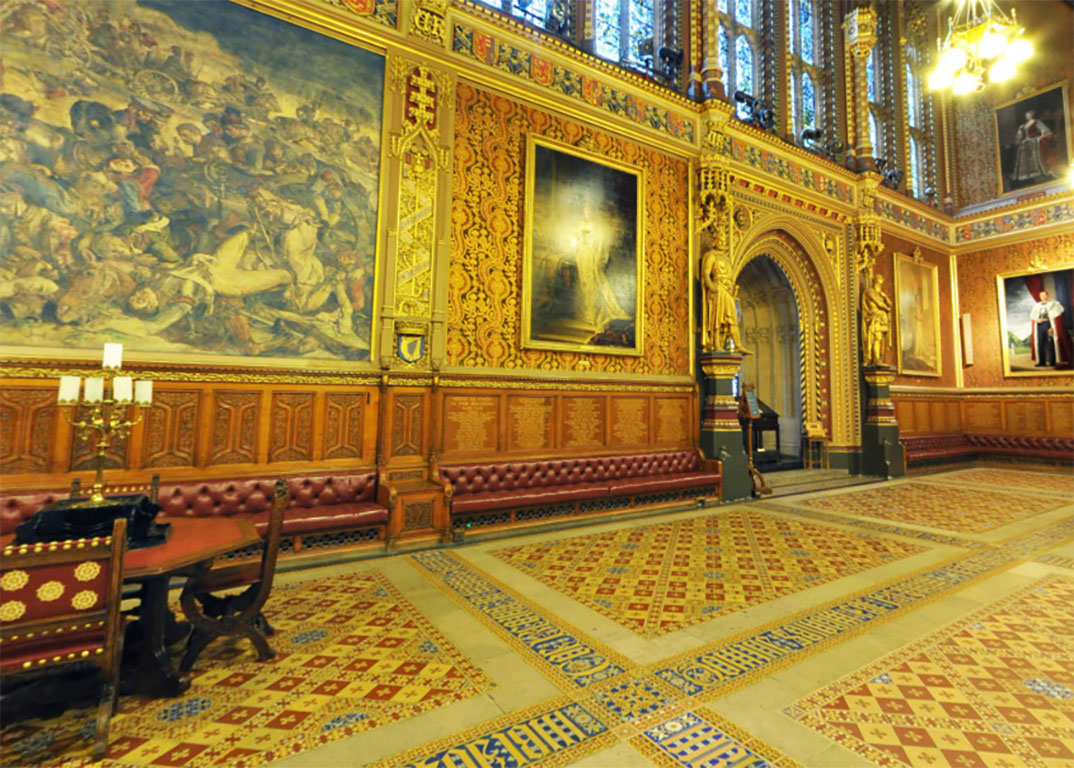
[771, 331]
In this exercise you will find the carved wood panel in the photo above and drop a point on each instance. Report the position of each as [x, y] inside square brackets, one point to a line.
[630, 422]
[84, 446]
[583, 422]
[235, 416]
[417, 514]
[171, 430]
[291, 430]
[343, 414]
[672, 419]
[26, 429]
[530, 423]
[407, 423]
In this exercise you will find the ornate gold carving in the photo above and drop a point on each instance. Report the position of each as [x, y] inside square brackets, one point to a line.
[428, 20]
[722, 367]
[720, 310]
[50, 372]
[553, 384]
[743, 218]
[421, 158]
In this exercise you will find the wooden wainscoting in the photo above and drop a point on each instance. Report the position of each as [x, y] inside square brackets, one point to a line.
[1038, 412]
[193, 430]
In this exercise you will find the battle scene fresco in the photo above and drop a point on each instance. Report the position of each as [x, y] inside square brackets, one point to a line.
[187, 178]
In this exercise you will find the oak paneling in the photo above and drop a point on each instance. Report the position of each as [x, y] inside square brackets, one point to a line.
[27, 415]
[1044, 413]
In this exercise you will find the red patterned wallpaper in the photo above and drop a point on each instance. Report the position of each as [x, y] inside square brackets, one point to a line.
[488, 198]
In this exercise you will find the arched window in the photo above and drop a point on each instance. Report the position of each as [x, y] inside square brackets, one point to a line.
[622, 27]
[874, 133]
[870, 76]
[912, 96]
[810, 62]
[917, 170]
[738, 42]
[919, 118]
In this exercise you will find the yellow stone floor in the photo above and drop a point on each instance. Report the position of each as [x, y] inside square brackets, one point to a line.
[919, 622]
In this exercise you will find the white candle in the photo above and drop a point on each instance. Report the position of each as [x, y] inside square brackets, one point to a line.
[69, 386]
[94, 390]
[143, 392]
[113, 356]
[122, 387]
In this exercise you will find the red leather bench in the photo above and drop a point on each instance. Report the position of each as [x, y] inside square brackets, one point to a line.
[473, 489]
[320, 504]
[929, 449]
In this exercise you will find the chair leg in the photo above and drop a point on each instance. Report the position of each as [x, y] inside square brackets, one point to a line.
[105, 707]
[264, 651]
[199, 638]
[263, 626]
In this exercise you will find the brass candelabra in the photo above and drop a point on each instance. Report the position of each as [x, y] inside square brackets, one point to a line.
[109, 398]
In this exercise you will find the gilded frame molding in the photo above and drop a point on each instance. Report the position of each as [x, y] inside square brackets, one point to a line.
[1001, 296]
[527, 341]
[934, 271]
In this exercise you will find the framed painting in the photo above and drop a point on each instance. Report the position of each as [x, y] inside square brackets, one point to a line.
[1035, 317]
[198, 181]
[582, 267]
[1033, 139]
[917, 316]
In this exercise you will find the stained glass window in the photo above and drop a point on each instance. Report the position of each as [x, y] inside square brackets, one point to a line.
[641, 26]
[809, 102]
[744, 12]
[725, 6]
[534, 11]
[743, 64]
[805, 29]
[874, 134]
[918, 172]
[608, 29]
[911, 95]
[870, 75]
[725, 58]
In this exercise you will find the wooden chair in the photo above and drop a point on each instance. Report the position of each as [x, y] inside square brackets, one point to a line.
[815, 442]
[59, 607]
[235, 614]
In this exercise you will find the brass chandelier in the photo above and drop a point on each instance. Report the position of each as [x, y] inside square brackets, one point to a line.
[981, 40]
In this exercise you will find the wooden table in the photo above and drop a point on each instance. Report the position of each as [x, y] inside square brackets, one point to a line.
[192, 544]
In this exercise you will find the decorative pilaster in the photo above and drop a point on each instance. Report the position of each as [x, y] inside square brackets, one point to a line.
[859, 34]
[721, 433]
[882, 453]
[418, 216]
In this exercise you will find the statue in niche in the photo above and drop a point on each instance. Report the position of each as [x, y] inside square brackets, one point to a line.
[720, 321]
[875, 323]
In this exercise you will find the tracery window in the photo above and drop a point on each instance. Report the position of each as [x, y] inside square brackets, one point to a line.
[622, 27]
[807, 60]
[881, 91]
[533, 11]
[919, 123]
[739, 43]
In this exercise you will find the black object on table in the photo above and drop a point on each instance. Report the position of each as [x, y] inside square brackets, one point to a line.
[85, 519]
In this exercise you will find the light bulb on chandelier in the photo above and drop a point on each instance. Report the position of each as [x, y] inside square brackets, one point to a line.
[981, 39]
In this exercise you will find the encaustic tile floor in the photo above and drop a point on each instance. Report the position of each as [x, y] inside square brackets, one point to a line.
[920, 622]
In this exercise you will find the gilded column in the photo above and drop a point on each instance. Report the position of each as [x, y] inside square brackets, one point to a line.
[711, 71]
[859, 28]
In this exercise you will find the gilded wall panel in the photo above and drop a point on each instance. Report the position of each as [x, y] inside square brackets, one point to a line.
[484, 291]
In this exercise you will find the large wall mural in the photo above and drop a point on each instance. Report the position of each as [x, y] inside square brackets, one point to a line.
[484, 296]
[193, 179]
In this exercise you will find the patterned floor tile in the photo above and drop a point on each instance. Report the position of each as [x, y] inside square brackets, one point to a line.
[963, 510]
[1048, 482]
[995, 689]
[660, 578]
[352, 653]
[702, 739]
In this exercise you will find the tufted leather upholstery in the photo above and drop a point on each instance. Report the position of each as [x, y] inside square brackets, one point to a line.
[958, 445]
[496, 485]
[318, 502]
[16, 507]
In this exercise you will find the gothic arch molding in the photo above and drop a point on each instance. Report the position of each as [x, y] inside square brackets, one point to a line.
[828, 372]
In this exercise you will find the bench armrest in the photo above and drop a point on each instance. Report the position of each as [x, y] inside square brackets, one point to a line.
[447, 488]
[387, 496]
[709, 465]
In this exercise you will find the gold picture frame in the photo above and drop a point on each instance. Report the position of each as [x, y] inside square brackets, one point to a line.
[1017, 297]
[1050, 105]
[917, 316]
[583, 261]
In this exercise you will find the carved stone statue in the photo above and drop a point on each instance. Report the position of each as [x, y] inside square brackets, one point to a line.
[875, 323]
[720, 320]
